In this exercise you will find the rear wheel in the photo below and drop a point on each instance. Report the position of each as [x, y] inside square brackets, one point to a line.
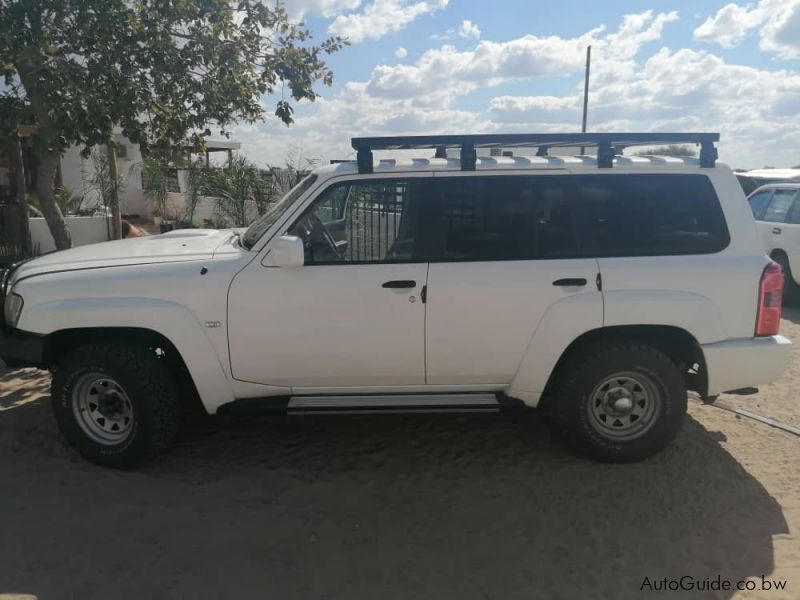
[115, 403]
[619, 401]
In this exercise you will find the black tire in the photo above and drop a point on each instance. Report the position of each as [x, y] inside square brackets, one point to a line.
[790, 289]
[151, 400]
[573, 408]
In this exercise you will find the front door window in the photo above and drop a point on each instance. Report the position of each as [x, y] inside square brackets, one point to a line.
[370, 221]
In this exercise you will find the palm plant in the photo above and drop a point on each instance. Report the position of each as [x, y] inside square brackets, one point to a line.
[238, 188]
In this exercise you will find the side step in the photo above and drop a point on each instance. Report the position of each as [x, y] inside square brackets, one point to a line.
[417, 403]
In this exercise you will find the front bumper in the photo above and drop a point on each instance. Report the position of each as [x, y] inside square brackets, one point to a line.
[735, 364]
[18, 348]
[21, 348]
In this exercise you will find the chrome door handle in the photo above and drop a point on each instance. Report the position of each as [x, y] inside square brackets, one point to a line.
[776, 230]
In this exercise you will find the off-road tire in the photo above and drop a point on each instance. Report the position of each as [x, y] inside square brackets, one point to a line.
[569, 408]
[152, 392]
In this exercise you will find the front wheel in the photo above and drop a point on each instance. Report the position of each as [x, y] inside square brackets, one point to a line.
[115, 403]
[619, 401]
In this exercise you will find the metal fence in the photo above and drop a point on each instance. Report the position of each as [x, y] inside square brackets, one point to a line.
[12, 242]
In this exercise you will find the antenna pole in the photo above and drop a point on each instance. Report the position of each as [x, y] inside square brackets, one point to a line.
[586, 90]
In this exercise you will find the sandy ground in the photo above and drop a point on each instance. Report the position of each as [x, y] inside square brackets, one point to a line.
[399, 507]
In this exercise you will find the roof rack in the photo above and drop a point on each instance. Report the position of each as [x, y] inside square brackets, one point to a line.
[608, 144]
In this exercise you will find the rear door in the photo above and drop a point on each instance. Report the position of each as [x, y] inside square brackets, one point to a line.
[776, 232]
[503, 250]
[759, 203]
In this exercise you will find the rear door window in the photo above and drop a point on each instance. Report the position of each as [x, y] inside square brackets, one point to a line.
[649, 215]
[779, 207]
[759, 203]
[499, 218]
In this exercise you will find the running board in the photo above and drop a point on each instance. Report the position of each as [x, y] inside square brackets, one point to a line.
[416, 403]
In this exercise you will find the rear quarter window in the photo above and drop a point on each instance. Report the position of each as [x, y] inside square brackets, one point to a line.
[649, 215]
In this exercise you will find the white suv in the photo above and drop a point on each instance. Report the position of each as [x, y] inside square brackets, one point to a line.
[776, 208]
[599, 289]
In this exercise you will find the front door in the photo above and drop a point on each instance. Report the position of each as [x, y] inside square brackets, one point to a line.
[352, 316]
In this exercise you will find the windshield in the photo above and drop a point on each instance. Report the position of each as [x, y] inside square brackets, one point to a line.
[265, 221]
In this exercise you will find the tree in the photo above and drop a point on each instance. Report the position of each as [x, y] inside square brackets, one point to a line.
[671, 150]
[162, 71]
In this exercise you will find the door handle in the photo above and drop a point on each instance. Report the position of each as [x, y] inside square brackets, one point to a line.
[398, 284]
[576, 282]
[776, 230]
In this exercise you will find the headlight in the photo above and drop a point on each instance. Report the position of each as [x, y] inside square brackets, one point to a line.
[12, 309]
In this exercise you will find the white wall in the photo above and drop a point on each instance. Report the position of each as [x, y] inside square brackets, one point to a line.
[84, 230]
[76, 172]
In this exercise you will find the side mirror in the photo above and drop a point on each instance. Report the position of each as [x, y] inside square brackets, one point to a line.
[286, 251]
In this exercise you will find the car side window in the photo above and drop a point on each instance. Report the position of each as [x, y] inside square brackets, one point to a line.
[759, 203]
[649, 215]
[794, 212]
[369, 221]
[477, 218]
[778, 208]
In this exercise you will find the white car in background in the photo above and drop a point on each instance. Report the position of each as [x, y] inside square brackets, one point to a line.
[776, 208]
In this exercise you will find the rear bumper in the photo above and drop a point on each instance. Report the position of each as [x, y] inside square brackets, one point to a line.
[21, 348]
[735, 364]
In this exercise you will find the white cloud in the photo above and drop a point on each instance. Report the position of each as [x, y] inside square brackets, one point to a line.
[468, 30]
[778, 20]
[401, 52]
[297, 9]
[664, 89]
[382, 17]
[729, 26]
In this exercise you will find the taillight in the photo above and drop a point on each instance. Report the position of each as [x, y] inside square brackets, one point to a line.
[770, 298]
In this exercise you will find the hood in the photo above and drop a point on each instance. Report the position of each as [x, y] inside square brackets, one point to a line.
[175, 246]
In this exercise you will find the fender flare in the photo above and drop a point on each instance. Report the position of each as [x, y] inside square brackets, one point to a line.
[169, 319]
[562, 323]
[574, 316]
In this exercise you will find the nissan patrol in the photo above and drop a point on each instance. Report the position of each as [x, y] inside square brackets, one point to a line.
[599, 289]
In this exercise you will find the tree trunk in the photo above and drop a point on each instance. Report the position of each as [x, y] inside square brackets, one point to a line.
[48, 164]
[48, 156]
[18, 165]
[116, 219]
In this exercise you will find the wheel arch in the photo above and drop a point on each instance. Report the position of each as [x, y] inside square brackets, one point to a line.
[675, 342]
[59, 343]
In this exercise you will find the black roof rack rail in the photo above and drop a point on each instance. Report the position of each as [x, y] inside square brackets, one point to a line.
[608, 144]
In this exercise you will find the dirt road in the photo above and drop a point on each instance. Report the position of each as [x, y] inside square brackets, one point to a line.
[399, 507]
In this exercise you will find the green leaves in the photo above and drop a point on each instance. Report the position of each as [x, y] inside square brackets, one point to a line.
[161, 70]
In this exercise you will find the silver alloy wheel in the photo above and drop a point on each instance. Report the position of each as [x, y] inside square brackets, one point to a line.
[102, 409]
[624, 406]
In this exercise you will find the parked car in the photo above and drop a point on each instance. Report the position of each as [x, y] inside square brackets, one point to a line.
[776, 208]
[750, 180]
[599, 290]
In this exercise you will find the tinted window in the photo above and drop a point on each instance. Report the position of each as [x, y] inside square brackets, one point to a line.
[759, 203]
[779, 207]
[361, 222]
[794, 212]
[499, 218]
[649, 215]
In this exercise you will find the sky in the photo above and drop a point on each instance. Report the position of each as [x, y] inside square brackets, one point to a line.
[472, 66]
